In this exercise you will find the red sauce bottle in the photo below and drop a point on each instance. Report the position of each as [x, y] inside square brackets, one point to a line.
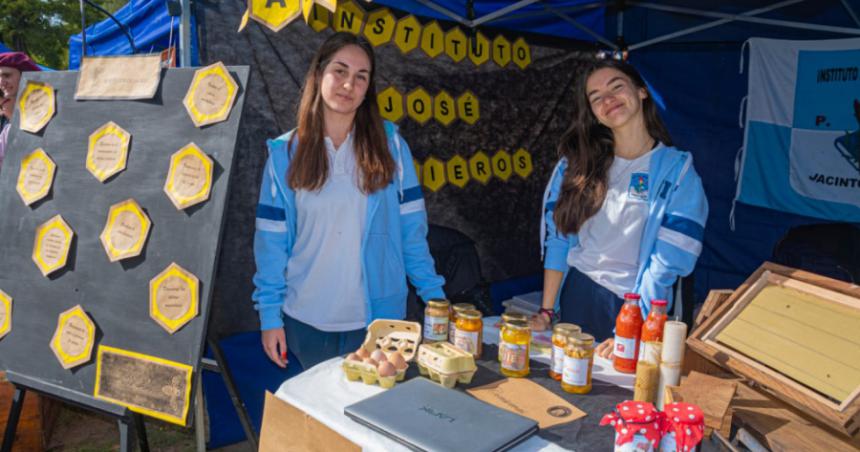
[628, 327]
[652, 330]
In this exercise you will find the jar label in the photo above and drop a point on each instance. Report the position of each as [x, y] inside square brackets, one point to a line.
[575, 371]
[466, 341]
[639, 444]
[557, 359]
[625, 347]
[435, 328]
[452, 327]
[513, 356]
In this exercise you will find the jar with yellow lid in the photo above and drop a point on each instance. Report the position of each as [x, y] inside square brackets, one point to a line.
[436, 321]
[578, 361]
[469, 332]
[514, 348]
[452, 321]
[560, 333]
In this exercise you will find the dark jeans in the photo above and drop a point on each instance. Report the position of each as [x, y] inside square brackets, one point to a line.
[589, 305]
[312, 346]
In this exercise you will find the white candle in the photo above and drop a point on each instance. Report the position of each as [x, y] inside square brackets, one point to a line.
[674, 335]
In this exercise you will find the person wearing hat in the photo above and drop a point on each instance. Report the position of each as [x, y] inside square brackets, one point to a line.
[12, 64]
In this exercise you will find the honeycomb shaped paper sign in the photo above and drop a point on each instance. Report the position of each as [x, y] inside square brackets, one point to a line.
[36, 176]
[51, 247]
[210, 97]
[125, 231]
[5, 314]
[107, 152]
[74, 338]
[36, 106]
[274, 14]
[189, 179]
[173, 298]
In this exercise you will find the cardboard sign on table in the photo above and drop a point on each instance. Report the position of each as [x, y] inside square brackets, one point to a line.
[528, 399]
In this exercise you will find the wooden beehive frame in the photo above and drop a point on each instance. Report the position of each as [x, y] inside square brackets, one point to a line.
[843, 417]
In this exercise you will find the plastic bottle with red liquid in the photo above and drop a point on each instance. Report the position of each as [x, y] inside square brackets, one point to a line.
[628, 328]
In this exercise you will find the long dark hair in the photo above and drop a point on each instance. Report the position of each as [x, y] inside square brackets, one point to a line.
[309, 167]
[589, 147]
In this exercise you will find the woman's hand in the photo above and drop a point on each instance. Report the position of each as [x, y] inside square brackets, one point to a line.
[275, 346]
[605, 349]
[540, 322]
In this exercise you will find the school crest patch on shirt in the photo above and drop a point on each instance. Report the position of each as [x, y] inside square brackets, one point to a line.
[638, 188]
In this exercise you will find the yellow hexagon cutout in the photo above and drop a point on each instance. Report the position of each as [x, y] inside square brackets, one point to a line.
[457, 170]
[501, 51]
[36, 106]
[456, 44]
[434, 174]
[5, 314]
[330, 5]
[35, 177]
[390, 104]
[418, 173]
[432, 39]
[125, 231]
[189, 178]
[107, 152]
[210, 97]
[174, 297]
[522, 162]
[380, 27]
[479, 167]
[501, 164]
[274, 14]
[444, 108]
[348, 17]
[521, 54]
[407, 34]
[319, 18]
[419, 105]
[74, 338]
[468, 108]
[52, 243]
[479, 51]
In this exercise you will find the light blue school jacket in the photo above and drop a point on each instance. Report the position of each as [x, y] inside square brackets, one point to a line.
[672, 239]
[393, 247]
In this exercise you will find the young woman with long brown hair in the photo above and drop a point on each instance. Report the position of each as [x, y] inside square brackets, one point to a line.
[341, 221]
[624, 211]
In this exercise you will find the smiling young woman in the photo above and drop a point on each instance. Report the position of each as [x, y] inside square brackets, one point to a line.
[624, 211]
[341, 221]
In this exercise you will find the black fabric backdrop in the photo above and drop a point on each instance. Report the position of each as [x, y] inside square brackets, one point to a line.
[518, 109]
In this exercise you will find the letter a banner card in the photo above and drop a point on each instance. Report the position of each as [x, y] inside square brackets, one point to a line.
[802, 142]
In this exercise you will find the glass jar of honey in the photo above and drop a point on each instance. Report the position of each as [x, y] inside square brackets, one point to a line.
[470, 332]
[578, 361]
[560, 333]
[452, 321]
[436, 321]
[514, 348]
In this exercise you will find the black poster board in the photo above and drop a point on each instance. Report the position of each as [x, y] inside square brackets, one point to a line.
[114, 295]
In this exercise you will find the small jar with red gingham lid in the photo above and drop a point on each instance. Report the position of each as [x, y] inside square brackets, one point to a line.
[638, 426]
[683, 427]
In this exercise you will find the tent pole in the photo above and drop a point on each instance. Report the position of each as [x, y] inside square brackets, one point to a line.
[567, 10]
[443, 11]
[83, 30]
[185, 34]
[584, 29]
[619, 30]
[851, 12]
[499, 13]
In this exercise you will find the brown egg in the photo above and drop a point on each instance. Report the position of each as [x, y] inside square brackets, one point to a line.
[362, 353]
[398, 360]
[379, 356]
[353, 357]
[386, 369]
[371, 361]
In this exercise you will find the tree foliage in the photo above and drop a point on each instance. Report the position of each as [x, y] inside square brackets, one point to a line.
[42, 27]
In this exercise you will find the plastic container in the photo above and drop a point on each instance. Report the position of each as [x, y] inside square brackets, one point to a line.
[452, 320]
[469, 333]
[514, 349]
[560, 333]
[436, 318]
[446, 364]
[578, 363]
[628, 328]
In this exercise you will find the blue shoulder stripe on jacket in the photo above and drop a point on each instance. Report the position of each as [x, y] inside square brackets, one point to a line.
[684, 225]
[550, 205]
[271, 213]
[411, 194]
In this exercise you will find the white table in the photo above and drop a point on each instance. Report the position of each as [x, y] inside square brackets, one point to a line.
[323, 391]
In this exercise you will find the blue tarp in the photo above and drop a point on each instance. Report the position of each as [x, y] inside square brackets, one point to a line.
[150, 27]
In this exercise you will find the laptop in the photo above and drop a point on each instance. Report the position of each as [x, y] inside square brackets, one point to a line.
[425, 416]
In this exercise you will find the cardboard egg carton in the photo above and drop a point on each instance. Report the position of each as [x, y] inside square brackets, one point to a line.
[446, 363]
[357, 370]
[388, 336]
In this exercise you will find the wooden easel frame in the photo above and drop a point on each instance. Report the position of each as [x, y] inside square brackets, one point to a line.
[842, 417]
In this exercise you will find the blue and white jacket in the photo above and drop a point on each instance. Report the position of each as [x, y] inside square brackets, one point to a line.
[672, 238]
[394, 244]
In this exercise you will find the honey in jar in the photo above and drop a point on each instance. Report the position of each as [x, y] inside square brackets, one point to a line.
[469, 332]
[578, 362]
[452, 321]
[436, 321]
[514, 348]
[560, 334]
